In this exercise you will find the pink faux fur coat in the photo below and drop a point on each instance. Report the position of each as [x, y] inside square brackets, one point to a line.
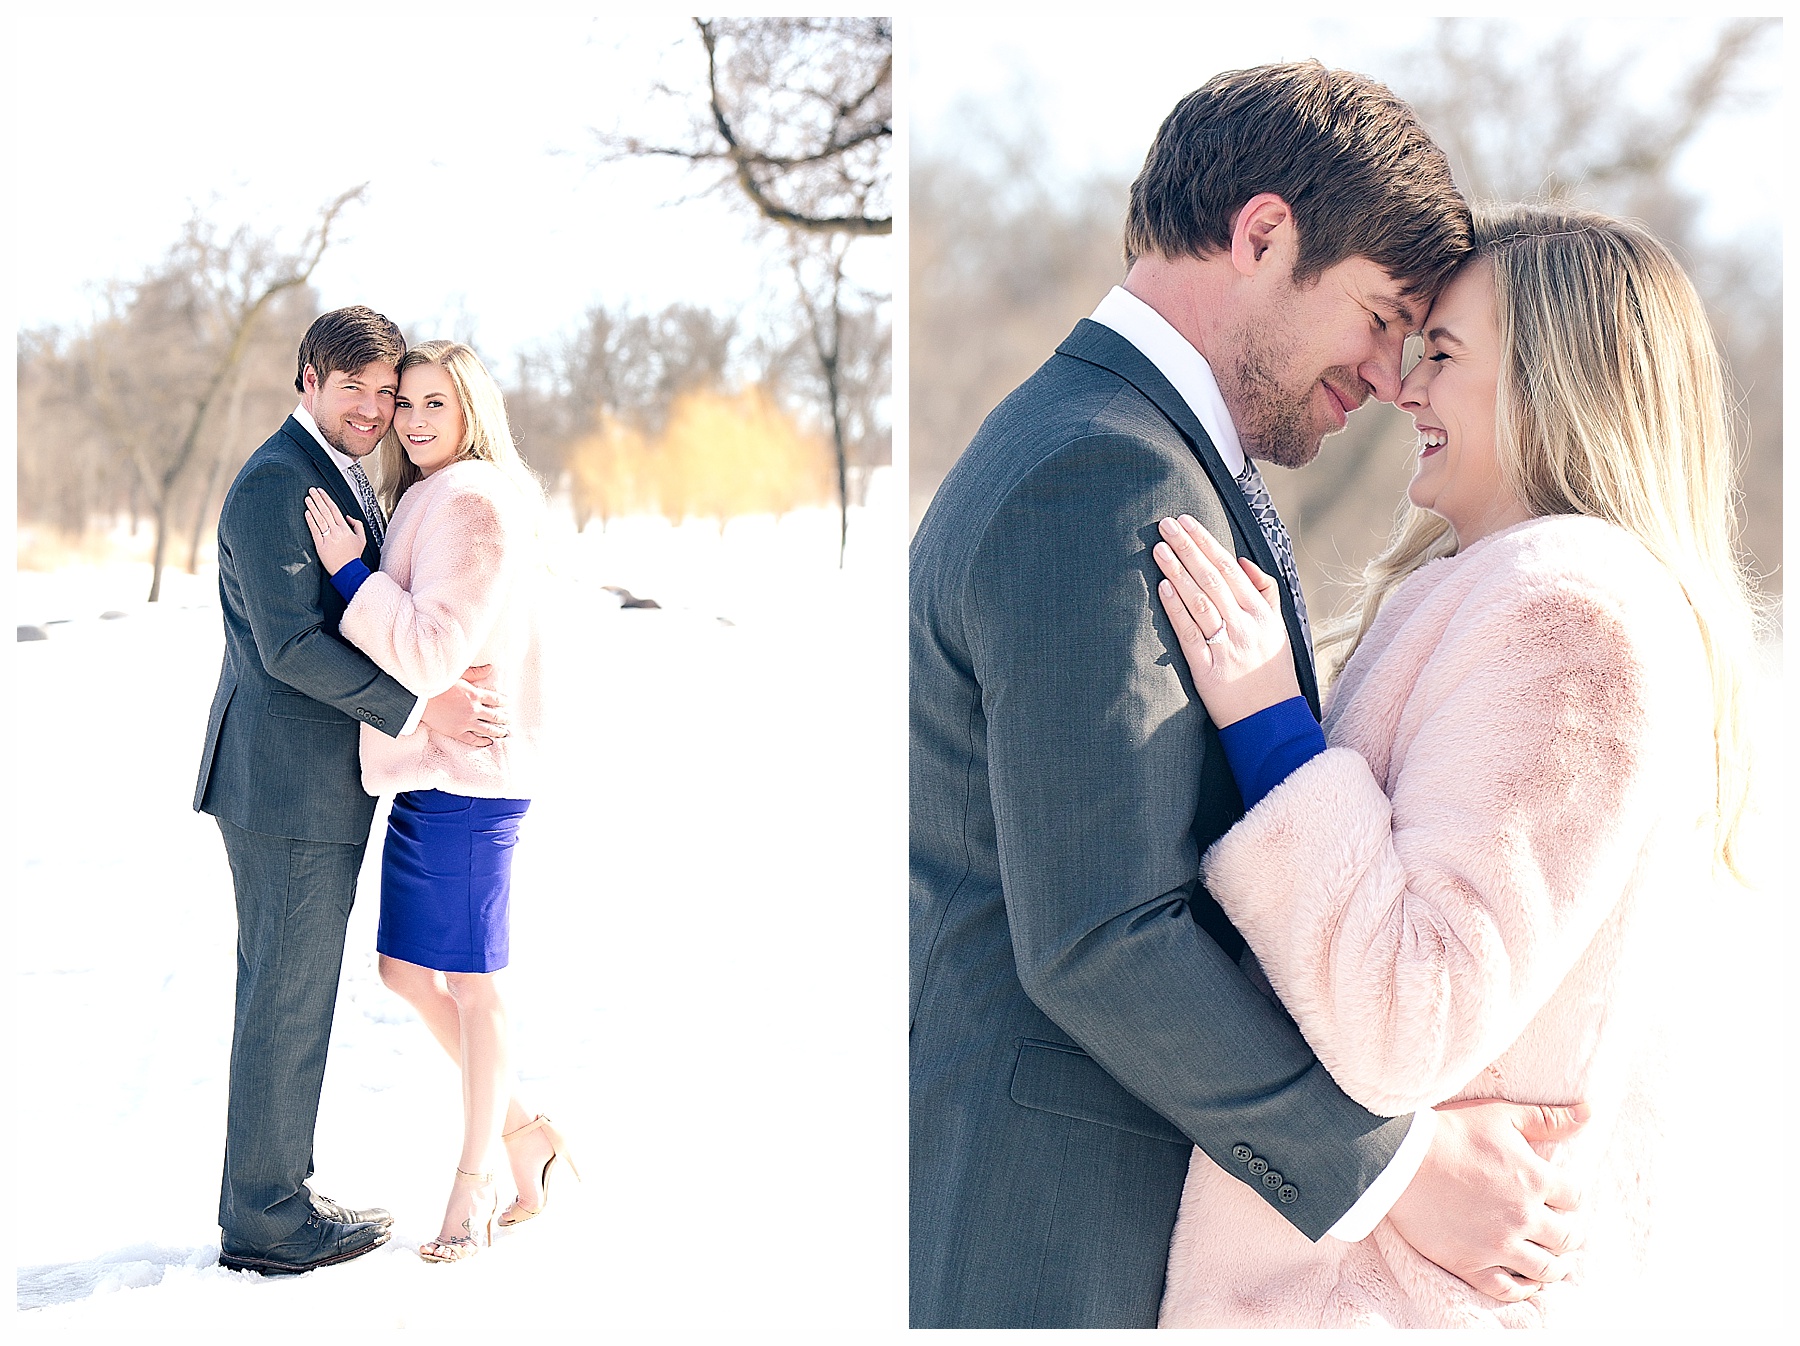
[1464, 897]
[458, 586]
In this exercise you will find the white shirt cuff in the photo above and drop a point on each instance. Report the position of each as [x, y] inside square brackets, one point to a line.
[418, 713]
[1379, 1197]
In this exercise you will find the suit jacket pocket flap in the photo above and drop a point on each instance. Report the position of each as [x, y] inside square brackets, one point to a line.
[294, 706]
[1068, 1082]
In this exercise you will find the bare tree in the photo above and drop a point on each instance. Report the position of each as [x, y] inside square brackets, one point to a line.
[847, 345]
[819, 280]
[159, 360]
[800, 113]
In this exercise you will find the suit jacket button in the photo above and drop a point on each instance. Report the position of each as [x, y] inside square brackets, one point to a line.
[1271, 1180]
[1242, 1153]
[1288, 1194]
[1258, 1167]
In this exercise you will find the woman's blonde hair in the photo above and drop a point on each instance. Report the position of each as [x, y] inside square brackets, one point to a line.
[1611, 403]
[485, 435]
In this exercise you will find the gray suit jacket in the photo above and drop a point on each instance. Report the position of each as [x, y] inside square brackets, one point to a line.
[1078, 1016]
[281, 740]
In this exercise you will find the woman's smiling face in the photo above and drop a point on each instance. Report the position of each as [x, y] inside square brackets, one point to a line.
[428, 418]
[1452, 394]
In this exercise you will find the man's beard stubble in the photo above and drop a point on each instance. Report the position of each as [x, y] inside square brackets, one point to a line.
[1272, 426]
[1273, 421]
[335, 437]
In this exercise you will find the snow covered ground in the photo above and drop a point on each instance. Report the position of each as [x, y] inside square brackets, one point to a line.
[707, 985]
[707, 988]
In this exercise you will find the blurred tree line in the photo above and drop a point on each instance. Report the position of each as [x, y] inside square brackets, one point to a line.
[680, 412]
[1004, 261]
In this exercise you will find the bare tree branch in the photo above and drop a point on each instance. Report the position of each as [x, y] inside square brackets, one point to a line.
[814, 172]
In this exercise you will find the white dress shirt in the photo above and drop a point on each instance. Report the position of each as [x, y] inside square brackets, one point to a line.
[1189, 374]
[342, 461]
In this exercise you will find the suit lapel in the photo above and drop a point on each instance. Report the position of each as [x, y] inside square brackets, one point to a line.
[1099, 345]
[335, 486]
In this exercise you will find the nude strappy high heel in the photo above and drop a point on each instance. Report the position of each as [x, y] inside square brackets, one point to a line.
[467, 1243]
[518, 1212]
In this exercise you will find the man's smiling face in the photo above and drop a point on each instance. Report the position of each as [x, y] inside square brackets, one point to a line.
[1314, 354]
[352, 410]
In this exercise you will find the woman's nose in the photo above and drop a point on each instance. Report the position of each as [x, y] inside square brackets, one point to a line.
[1413, 387]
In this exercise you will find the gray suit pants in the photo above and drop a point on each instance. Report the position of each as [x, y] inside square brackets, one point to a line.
[293, 903]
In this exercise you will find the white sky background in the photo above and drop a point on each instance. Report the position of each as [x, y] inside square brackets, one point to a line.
[485, 212]
[1100, 87]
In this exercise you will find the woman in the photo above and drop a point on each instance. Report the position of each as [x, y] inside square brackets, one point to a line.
[457, 588]
[1536, 746]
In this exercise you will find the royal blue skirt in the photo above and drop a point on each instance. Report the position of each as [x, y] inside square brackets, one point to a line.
[446, 880]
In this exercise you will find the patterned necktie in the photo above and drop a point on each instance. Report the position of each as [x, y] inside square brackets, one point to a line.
[371, 508]
[1251, 483]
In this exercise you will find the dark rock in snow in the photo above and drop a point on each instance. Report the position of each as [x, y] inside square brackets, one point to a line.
[627, 599]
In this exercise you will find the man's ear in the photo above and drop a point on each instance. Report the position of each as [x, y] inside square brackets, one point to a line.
[1263, 234]
[309, 380]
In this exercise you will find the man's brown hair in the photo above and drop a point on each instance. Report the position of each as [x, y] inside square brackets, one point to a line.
[1350, 159]
[347, 339]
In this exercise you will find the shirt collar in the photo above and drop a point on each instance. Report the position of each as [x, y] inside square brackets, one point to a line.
[342, 459]
[1177, 361]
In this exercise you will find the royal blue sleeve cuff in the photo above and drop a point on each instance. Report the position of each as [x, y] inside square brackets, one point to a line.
[350, 576]
[1264, 749]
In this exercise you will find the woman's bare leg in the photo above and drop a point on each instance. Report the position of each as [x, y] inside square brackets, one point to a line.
[424, 989]
[428, 992]
[480, 1017]
[486, 1065]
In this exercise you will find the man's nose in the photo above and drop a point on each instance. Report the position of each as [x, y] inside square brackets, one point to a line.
[1382, 370]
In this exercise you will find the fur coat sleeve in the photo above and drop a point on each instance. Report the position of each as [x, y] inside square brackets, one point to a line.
[427, 633]
[1419, 891]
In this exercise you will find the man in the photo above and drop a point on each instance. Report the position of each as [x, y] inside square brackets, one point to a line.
[280, 774]
[1079, 1020]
